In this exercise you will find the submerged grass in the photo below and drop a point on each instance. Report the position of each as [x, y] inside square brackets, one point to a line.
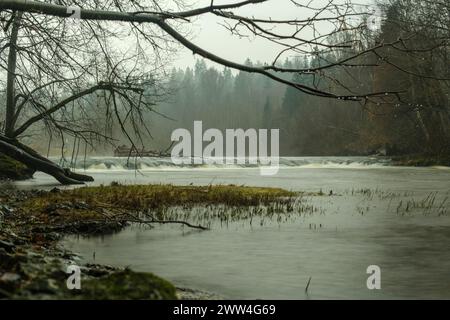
[402, 202]
[428, 205]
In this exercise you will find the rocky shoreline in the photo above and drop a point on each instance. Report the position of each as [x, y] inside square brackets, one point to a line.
[40, 272]
[33, 265]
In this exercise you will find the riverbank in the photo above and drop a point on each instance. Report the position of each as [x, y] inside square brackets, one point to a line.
[421, 161]
[33, 265]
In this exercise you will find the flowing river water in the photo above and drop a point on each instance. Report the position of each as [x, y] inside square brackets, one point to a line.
[397, 218]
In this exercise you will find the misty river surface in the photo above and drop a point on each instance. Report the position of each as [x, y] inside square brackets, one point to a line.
[397, 218]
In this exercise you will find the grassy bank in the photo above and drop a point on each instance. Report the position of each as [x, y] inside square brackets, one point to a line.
[422, 160]
[32, 264]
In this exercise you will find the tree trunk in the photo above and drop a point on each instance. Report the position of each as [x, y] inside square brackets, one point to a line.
[32, 159]
[14, 148]
[418, 114]
[11, 78]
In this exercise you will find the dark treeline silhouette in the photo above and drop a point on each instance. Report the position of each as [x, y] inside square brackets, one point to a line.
[220, 99]
[415, 122]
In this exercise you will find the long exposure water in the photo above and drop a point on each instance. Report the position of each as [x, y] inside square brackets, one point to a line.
[397, 218]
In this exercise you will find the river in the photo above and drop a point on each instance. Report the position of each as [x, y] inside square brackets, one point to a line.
[396, 218]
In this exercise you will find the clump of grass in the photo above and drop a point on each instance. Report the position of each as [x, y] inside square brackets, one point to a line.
[427, 205]
[370, 194]
[152, 204]
[158, 196]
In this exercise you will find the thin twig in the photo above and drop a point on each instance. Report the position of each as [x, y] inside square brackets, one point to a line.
[307, 285]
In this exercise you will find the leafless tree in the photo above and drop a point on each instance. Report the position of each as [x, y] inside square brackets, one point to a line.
[59, 69]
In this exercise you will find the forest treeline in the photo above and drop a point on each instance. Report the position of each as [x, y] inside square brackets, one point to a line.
[416, 121]
[413, 118]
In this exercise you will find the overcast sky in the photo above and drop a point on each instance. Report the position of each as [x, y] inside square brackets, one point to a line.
[209, 34]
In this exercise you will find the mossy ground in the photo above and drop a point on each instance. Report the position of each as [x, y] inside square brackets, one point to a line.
[29, 273]
[13, 170]
[129, 285]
